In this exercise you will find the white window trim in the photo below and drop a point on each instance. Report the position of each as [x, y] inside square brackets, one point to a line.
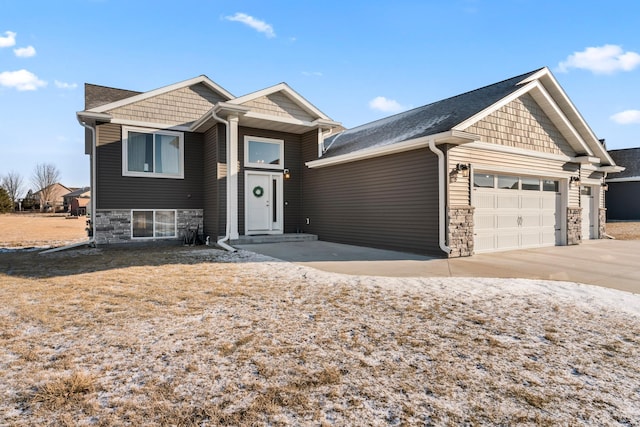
[125, 160]
[280, 142]
[175, 224]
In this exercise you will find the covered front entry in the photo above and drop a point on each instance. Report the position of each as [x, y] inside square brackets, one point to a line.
[263, 202]
[513, 212]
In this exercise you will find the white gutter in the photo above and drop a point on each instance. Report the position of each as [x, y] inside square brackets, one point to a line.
[442, 241]
[92, 240]
[221, 242]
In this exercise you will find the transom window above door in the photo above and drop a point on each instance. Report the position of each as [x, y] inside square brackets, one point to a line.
[264, 153]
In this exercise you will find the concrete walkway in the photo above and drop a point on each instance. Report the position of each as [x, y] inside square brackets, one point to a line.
[609, 263]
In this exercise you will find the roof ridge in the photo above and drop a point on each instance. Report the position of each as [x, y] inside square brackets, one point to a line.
[521, 77]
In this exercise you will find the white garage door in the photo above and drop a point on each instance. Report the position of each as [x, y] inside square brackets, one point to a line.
[514, 212]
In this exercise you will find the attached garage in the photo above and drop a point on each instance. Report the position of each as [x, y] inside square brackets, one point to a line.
[515, 212]
[515, 161]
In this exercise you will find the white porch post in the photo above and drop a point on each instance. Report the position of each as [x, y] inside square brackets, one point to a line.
[232, 169]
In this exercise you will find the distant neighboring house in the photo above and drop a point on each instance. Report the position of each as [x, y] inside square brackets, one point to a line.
[623, 196]
[76, 202]
[506, 166]
[55, 200]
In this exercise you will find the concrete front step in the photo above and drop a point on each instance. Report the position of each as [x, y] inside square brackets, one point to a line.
[273, 238]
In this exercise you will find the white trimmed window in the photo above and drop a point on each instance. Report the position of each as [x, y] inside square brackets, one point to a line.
[152, 153]
[263, 153]
[153, 224]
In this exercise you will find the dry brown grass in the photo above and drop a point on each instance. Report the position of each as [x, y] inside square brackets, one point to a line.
[192, 336]
[35, 230]
[627, 230]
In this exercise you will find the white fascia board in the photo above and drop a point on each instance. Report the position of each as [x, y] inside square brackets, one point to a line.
[152, 125]
[519, 151]
[627, 179]
[611, 169]
[323, 123]
[165, 89]
[413, 144]
[287, 91]
[228, 107]
[583, 160]
[94, 116]
[287, 120]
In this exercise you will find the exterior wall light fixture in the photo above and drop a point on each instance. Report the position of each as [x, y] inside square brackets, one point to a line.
[574, 180]
[286, 174]
[462, 168]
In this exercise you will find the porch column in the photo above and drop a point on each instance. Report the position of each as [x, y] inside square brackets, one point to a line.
[233, 177]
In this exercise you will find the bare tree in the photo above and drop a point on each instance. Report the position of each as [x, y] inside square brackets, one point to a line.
[44, 176]
[12, 183]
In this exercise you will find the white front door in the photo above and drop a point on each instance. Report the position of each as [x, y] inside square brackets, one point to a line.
[586, 202]
[263, 203]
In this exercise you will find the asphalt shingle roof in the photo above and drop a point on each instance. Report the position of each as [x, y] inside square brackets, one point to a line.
[429, 119]
[95, 95]
[628, 158]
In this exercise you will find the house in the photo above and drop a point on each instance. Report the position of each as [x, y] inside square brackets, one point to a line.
[507, 166]
[51, 198]
[623, 197]
[76, 201]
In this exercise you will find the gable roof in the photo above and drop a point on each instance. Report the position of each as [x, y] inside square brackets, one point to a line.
[461, 111]
[146, 95]
[286, 90]
[628, 158]
[78, 192]
[427, 120]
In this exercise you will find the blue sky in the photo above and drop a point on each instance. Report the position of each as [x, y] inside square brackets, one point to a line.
[357, 61]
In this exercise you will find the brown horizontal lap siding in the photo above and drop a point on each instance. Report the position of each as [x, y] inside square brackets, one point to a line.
[115, 191]
[292, 187]
[388, 202]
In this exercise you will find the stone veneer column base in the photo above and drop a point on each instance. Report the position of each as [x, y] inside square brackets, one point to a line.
[574, 226]
[460, 231]
[602, 223]
[114, 225]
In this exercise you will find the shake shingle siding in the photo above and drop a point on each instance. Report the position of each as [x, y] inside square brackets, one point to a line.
[386, 202]
[119, 192]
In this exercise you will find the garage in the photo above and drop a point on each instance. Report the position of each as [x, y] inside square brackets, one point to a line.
[515, 212]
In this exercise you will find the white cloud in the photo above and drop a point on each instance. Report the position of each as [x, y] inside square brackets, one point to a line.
[63, 85]
[254, 23]
[383, 104]
[25, 52]
[9, 40]
[627, 117]
[21, 80]
[312, 73]
[605, 59]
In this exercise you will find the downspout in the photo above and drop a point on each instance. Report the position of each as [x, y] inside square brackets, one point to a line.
[92, 240]
[442, 240]
[221, 242]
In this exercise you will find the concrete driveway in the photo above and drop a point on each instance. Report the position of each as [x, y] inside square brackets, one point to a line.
[610, 263]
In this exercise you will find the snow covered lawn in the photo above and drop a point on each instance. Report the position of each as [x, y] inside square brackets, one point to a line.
[196, 336]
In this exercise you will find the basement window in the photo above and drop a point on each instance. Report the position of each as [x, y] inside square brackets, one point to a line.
[150, 224]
